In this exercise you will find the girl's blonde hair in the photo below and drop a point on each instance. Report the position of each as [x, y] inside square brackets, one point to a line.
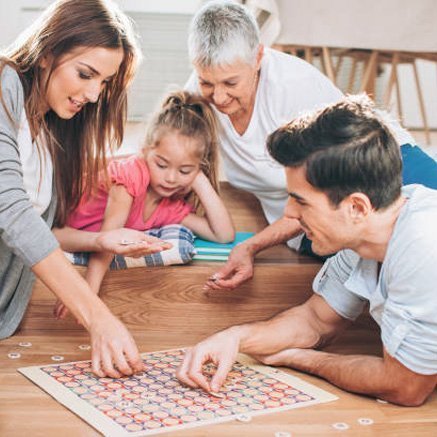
[192, 116]
[77, 146]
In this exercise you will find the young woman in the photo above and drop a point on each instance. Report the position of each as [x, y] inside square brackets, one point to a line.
[63, 99]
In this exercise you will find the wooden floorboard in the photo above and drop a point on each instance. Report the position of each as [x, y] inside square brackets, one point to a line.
[167, 308]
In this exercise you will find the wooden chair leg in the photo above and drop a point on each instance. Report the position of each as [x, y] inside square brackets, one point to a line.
[308, 55]
[398, 97]
[327, 62]
[391, 81]
[351, 83]
[421, 103]
[338, 66]
[368, 83]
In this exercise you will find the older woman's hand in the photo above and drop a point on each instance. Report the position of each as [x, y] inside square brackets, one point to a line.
[237, 270]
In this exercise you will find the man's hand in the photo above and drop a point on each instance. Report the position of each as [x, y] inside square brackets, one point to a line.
[220, 349]
[114, 352]
[237, 270]
[128, 242]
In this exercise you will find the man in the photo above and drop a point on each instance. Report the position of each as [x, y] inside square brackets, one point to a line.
[344, 176]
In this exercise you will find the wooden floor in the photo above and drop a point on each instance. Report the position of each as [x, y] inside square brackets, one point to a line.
[166, 308]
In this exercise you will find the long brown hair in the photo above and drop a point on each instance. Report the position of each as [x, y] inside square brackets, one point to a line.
[77, 146]
[192, 116]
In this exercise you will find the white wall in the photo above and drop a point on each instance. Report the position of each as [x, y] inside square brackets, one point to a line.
[13, 21]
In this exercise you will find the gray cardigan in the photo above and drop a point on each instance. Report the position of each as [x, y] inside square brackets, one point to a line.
[25, 236]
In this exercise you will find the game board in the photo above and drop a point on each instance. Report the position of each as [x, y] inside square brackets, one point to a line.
[154, 402]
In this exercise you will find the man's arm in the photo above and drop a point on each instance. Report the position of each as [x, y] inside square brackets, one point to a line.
[306, 326]
[239, 267]
[385, 378]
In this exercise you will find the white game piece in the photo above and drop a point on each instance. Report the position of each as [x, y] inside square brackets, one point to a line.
[365, 421]
[84, 347]
[57, 358]
[217, 394]
[244, 418]
[340, 425]
[14, 355]
[127, 242]
[25, 344]
[381, 401]
[282, 434]
[124, 404]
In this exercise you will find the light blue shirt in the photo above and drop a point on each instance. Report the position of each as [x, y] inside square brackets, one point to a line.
[403, 299]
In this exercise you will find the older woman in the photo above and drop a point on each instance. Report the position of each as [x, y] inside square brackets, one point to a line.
[255, 90]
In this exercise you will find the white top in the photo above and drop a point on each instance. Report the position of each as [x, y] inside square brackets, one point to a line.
[287, 87]
[37, 170]
[403, 299]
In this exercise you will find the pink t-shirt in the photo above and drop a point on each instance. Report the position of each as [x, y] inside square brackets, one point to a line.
[133, 174]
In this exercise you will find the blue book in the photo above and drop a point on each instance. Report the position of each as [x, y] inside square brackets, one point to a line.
[210, 251]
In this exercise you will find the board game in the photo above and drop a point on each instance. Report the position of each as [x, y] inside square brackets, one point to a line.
[154, 401]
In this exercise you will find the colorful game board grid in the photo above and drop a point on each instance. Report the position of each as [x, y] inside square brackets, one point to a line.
[154, 399]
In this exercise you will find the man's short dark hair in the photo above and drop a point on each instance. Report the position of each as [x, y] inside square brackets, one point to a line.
[346, 148]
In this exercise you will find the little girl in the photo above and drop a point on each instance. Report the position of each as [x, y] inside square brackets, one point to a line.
[174, 180]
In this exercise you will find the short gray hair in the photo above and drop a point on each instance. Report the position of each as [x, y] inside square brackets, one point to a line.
[221, 32]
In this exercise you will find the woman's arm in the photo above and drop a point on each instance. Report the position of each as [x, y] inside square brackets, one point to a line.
[217, 224]
[113, 349]
[75, 240]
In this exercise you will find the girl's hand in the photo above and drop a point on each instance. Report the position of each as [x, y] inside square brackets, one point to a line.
[60, 311]
[199, 181]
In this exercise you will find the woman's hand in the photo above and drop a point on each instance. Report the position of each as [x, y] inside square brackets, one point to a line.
[129, 242]
[114, 352]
